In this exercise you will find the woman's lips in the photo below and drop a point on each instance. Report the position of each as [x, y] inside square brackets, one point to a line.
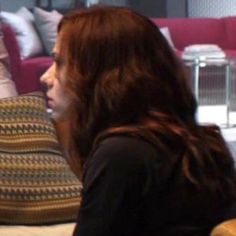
[50, 102]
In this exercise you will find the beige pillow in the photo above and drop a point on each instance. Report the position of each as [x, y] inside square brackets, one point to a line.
[37, 186]
[46, 23]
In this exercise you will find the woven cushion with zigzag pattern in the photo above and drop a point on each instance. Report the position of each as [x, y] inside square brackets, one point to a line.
[36, 184]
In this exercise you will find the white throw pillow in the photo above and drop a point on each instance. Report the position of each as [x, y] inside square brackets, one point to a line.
[166, 33]
[46, 23]
[26, 14]
[27, 37]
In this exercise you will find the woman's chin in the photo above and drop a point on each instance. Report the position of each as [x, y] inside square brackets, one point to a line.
[58, 117]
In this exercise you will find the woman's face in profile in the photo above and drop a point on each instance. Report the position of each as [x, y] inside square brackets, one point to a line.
[54, 78]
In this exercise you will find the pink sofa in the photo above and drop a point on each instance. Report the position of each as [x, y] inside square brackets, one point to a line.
[184, 32]
[187, 31]
[25, 73]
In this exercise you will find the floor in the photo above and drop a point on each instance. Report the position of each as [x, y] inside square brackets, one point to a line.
[217, 114]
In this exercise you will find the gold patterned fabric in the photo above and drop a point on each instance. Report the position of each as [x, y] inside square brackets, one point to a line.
[225, 228]
[36, 184]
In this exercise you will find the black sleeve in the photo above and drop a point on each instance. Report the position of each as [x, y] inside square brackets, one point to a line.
[113, 185]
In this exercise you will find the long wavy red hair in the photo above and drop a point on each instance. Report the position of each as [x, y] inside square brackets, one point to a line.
[124, 78]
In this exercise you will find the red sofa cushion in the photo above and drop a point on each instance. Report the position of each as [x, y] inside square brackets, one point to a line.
[187, 31]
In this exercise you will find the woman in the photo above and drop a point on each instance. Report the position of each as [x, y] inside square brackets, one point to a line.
[148, 167]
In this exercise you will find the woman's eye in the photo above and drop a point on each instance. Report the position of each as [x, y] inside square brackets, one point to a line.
[58, 60]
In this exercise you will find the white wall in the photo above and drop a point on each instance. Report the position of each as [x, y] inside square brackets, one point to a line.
[13, 5]
[113, 2]
[150, 8]
[159, 8]
[211, 8]
[176, 8]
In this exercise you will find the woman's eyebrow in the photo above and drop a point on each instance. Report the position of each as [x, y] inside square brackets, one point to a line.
[54, 54]
[57, 57]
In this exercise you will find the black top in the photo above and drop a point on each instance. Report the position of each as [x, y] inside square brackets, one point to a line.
[132, 189]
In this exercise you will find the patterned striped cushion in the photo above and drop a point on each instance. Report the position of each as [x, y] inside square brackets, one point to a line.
[36, 183]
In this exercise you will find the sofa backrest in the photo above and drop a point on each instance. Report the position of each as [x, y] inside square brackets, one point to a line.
[13, 50]
[187, 31]
[230, 26]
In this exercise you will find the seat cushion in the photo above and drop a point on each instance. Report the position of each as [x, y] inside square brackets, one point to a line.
[230, 53]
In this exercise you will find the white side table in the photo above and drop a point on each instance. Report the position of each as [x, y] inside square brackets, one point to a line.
[198, 63]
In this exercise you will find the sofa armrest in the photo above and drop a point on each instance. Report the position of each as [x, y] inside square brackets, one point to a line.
[13, 51]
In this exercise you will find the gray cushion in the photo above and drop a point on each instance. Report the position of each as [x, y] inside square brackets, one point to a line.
[46, 23]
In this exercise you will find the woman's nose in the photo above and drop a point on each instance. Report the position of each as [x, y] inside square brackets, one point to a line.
[47, 78]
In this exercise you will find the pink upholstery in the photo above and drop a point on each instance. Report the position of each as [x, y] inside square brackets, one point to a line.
[230, 25]
[13, 51]
[187, 31]
[230, 53]
[25, 73]
[32, 68]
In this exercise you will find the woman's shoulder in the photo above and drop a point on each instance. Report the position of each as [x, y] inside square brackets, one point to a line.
[120, 157]
[124, 150]
[126, 141]
[129, 144]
